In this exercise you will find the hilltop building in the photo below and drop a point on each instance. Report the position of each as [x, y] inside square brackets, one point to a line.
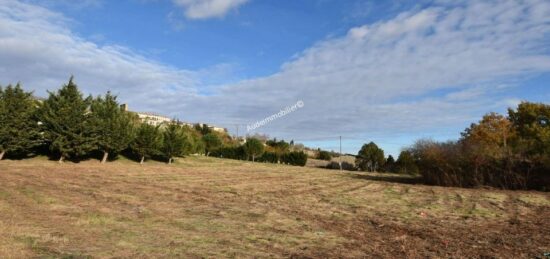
[157, 119]
[148, 117]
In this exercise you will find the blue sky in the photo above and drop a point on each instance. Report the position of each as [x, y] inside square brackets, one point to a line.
[256, 38]
[383, 71]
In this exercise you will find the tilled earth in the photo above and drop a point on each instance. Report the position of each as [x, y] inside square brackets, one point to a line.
[206, 207]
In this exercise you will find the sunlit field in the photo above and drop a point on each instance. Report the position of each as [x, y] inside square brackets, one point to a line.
[207, 207]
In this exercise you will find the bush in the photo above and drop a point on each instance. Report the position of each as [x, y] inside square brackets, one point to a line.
[236, 152]
[456, 164]
[295, 158]
[269, 157]
[324, 155]
[345, 166]
[253, 148]
[211, 142]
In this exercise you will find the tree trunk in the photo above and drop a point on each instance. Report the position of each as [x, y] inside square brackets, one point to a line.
[253, 157]
[142, 159]
[2, 154]
[61, 159]
[105, 156]
[169, 161]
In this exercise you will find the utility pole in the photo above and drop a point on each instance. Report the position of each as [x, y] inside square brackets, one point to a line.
[340, 157]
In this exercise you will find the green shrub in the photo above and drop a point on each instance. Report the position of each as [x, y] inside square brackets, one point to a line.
[269, 157]
[324, 155]
[345, 166]
[295, 158]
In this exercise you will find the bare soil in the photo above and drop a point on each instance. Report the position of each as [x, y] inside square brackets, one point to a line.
[205, 207]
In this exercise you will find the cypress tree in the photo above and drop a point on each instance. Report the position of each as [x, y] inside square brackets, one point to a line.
[194, 143]
[147, 142]
[211, 142]
[174, 141]
[67, 122]
[253, 148]
[113, 127]
[19, 131]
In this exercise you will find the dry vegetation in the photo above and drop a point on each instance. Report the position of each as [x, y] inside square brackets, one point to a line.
[205, 207]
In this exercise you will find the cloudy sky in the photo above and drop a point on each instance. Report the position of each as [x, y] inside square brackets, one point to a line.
[383, 71]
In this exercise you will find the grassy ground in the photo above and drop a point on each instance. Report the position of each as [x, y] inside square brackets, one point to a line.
[206, 207]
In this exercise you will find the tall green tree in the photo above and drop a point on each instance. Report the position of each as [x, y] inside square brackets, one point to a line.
[114, 127]
[390, 165]
[405, 163]
[147, 141]
[370, 157]
[19, 131]
[253, 148]
[67, 124]
[532, 124]
[211, 142]
[194, 143]
[174, 141]
[279, 148]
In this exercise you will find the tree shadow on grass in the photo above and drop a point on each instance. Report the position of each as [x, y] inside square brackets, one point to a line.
[392, 178]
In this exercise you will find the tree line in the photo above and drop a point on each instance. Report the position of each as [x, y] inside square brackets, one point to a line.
[508, 152]
[272, 151]
[68, 125]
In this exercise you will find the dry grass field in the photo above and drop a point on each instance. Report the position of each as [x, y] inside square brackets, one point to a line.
[206, 207]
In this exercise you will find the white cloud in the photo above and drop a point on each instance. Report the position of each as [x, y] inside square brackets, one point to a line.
[38, 49]
[204, 9]
[422, 71]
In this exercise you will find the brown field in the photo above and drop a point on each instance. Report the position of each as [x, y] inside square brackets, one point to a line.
[205, 207]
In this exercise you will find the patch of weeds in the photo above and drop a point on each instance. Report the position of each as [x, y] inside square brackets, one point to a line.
[34, 243]
[29, 241]
[200, 225]
[4, 194]
[50, 200]
[345, 200]
[536, 200]
[31, 193]
[476, 210]
[96, 219]
[228, 189]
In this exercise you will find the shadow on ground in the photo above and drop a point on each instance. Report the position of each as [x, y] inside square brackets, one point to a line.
[406, 179]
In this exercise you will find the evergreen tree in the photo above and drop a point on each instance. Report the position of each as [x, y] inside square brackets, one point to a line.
[147, 141]
[532, 123]
[253, 148]
[211, 142]
[19, 131]
[390, 166]
[114, 127]
[66, 122]
[406, 163]
[194, 143]
[174, 142]
[370, 157]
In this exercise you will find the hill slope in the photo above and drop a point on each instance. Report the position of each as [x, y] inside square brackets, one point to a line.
[225, 208]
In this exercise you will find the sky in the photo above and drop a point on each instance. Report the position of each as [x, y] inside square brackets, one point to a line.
[385, 71]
